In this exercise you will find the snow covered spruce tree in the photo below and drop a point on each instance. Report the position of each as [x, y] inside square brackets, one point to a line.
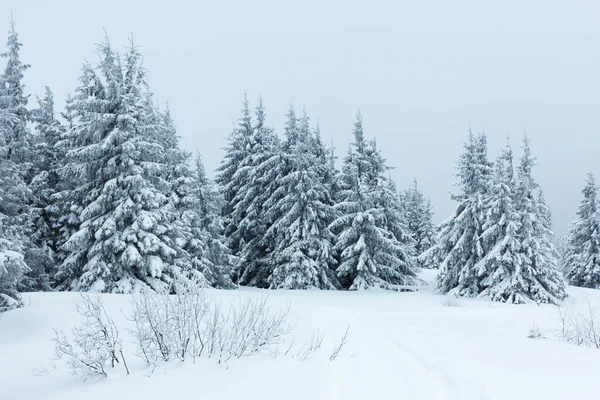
[126, 239]
[13, 101]
[300, 210]
[216, 256]
[194, 204]
[459, 245]
[418, 215]
[539, 278]
[250, 185]
[13, 196]
[235, 152]
[582, 249]
[48, 158]
[70, 189]
[370, 254]
[21, 150]
[499, 272]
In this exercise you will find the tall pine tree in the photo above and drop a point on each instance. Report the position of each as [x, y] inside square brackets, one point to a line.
[44, 186]
[539, 279]
[13, 195]
[125, 239]
[500, 269]
[459, 247]
[16, 165]
[300, 210]
[255, 180]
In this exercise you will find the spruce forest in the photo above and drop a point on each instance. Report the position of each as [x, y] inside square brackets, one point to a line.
[99, 197]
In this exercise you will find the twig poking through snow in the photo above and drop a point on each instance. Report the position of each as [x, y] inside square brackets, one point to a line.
[337, 349]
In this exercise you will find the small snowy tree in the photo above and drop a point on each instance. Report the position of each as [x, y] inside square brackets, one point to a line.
[582, 249]
[418, 215]
[212, 255]
[370, 255]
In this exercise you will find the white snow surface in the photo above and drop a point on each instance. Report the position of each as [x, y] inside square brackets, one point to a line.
[401, 346]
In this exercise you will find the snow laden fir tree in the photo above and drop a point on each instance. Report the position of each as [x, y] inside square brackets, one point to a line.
[418, 215]
[248, 177]
[369, 235]
[301, 208]
[582, 249]
[128, 235]
[498, 244]
[15, 167]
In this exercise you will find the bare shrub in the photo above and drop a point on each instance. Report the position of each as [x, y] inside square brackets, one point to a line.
[189, 326]
[581, 328]
[309, 348]
[94, 345]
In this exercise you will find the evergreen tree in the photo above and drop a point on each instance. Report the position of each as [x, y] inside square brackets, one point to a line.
[13, 195]
[71, 186]
[203, 256]
[44, 187]
[500, 269]
[326, 158]
[216, 255]
[300, 210]
[14, 102]
[291, 130]
[418, 215]
[459, 247]
[125, 240]
[388, 199]
[582, 249]
[256, 180]
[370, 255]
[230, 179]
[19, 151]
[539, 279]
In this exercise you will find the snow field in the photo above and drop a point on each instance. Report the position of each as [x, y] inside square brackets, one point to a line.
[401, 345]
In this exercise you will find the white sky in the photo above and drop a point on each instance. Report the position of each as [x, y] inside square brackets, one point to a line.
[421, 73]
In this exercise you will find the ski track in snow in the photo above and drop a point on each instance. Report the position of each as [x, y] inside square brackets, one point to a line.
[386, 366]
[441, 383]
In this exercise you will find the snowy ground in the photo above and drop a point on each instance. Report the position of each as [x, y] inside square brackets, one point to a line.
[402, 345]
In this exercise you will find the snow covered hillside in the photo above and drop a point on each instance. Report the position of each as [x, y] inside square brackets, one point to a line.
[401, 345]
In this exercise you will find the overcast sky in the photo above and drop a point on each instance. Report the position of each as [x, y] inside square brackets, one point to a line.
[421, 72]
